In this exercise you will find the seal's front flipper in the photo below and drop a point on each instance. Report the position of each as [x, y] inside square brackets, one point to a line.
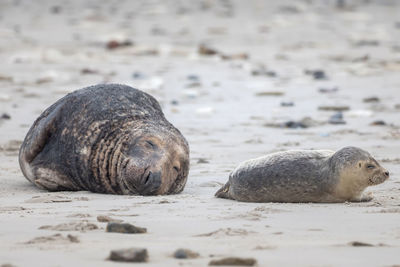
[37, 138]
[223, 192]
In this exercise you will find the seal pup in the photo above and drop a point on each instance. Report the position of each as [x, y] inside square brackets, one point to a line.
[107, 138]
[305, 176]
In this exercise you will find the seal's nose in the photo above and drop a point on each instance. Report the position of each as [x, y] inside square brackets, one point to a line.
[151, 184]
[386, 173]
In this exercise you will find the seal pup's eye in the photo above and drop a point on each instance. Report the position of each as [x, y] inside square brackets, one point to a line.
[369, 166]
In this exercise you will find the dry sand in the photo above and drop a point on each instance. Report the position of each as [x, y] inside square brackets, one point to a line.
[50, 48]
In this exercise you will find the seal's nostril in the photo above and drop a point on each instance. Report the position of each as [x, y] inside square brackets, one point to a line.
[147, 178]
[386, 173]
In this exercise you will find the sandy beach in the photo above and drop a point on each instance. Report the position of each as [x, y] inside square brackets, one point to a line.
[271, 76]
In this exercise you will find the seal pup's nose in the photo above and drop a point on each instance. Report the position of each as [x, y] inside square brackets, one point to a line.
[386, 173]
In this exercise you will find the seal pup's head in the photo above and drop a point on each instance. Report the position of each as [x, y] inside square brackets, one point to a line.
[356, 169]
[156, 162]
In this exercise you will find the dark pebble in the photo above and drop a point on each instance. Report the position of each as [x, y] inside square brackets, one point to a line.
[113, 44]
[337, 118]
[360, 244]
[287, 104]
[174, 102]
[137, 75]
[202, 161]
[378, 123]
[317, 74]
[193, 77]
[89, 71]
[294, 124]
[5, 116]
[125, 228]
[373, 99]
[206, 51]
[185, 254]
[129, 255]
[233, 261]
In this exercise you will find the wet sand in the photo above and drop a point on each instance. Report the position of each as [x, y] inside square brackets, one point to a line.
[269, 66]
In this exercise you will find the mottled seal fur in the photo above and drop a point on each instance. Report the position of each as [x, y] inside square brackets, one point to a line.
[305, 176]
[107, 139]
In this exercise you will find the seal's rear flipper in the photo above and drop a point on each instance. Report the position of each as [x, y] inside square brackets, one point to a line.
[223, 192]
[37, 138]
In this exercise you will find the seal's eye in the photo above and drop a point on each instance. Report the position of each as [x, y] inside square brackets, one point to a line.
[150, 144]
[369, 166]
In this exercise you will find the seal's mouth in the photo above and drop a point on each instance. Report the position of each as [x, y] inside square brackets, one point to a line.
[377, 179]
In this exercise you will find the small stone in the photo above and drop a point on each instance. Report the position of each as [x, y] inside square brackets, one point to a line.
[360, 244]
[73, 238]
[270, 93]
[337, 118]
[185, 254]
[378, 123]
[137, 75]
[174, 102]
[287, 104]
[206, 51]
[5, 116]
[294, 124]
[328, 90]
[193, 77]
[125, 228]
[234, 261]
[317, 74]
[372, 99]
[113, 44]
[104, 218]
[202, 161]
[367, 43]
[334, 108]
[129, 255]
[89, 71]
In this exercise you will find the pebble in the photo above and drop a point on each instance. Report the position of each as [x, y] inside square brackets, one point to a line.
[334, 108]
[185, 254]
[234, 261]
[206, 51]
[287, 104]
[337, 118]
[113, 44]
[193, 77]
[125, 228]
[378, 123]
[360, 244]
[317, 74]
[89, 71]
[129, 255]
[137, 75]
[270, 93]
[372, 99]
[5, 116]
[328, 90]
[104, 218]
[174, 102]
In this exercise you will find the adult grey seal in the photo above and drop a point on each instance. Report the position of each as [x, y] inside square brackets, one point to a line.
[305, 176]
[107, 138]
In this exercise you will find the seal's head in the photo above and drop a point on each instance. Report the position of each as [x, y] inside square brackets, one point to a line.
[359, 167]
[156, 162]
